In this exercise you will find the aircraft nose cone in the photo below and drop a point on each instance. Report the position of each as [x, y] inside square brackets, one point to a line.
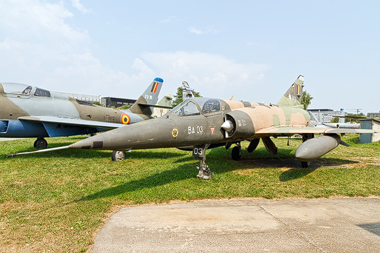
[227, 125]
[146, 134]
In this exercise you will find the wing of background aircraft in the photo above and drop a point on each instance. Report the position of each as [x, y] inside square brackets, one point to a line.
[49, 120]
[273, 131]
[316, 123]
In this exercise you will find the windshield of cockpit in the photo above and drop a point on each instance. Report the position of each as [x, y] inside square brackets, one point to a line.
[190, 108]
[187, 109]
[17, 88]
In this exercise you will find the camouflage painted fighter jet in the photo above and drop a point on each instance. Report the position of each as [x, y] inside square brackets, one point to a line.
[202, 123]
[28, 111]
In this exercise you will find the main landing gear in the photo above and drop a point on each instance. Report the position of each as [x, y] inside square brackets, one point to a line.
[236, 152]
[199, 152]
[40, 143]
[268, 143]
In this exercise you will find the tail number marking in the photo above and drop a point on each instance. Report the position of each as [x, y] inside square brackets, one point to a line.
[147, 97]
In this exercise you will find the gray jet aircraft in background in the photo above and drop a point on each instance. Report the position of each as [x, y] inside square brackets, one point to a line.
[351, 125]
[28, 111]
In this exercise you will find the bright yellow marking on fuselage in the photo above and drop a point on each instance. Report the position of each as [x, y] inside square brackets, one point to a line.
[175, 132]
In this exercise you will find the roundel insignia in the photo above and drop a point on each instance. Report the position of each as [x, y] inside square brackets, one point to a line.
[125, 119]
[175, 132]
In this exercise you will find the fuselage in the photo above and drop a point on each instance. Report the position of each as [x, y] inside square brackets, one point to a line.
[199, 121]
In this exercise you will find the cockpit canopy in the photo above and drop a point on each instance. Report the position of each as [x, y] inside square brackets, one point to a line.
[196, 106]
[24, 90]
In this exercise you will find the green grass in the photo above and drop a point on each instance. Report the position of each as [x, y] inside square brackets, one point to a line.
[56, 201]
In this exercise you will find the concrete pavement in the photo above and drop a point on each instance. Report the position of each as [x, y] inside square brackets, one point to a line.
[9, 139]
[292, 225]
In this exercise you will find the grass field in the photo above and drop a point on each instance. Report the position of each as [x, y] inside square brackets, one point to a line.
[56, 201]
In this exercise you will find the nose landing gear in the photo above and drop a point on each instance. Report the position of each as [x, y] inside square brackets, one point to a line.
[118, 155]
[199, 152]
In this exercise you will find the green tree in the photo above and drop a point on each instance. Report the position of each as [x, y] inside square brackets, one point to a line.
[306, 99]
[124, 107]
[355, 117]
[178, 96]
[98, 103]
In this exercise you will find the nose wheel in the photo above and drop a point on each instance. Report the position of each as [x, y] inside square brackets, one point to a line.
[40, 143]
[118, 155]
[204, 171]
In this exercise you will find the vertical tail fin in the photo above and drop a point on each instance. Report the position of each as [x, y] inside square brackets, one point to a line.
[293, 95]
[153, 90]
[149, 97]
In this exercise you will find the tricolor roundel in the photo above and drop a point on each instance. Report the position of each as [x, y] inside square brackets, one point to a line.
[125, 119]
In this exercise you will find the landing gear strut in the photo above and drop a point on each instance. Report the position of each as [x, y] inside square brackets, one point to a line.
[236, 152]
[199, 152]
[40, 143]
[118, 155]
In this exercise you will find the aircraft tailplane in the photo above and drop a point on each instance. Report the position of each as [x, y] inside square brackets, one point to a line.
[293, 95]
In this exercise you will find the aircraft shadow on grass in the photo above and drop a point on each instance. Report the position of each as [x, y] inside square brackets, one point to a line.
[297, 172]
[259, 159]
[178, 174]
[186, 171]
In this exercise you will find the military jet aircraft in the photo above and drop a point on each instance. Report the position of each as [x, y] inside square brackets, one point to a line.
[204, 123]
[316, 123]
[28, 111]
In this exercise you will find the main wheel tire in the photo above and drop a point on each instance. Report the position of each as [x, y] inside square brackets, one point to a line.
[236, 153]
[305, 164]
[40, 143]
[118, 155]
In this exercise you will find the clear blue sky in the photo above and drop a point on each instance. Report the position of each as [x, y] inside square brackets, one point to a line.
[252, 50]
